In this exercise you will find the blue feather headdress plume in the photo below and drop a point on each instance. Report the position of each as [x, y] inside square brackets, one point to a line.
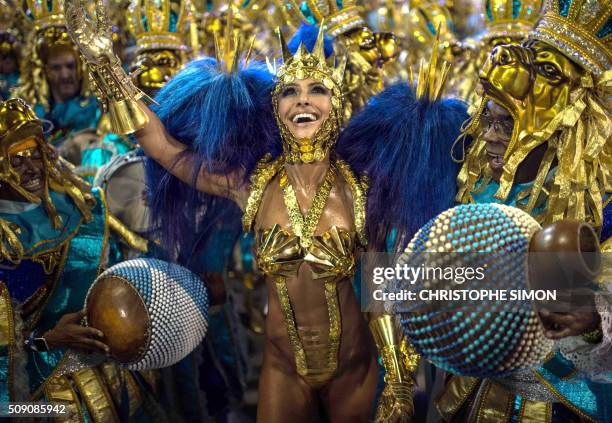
[404, 146]
[226, 120]
[307, 34]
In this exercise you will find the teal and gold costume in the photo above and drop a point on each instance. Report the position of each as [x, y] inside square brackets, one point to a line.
[53, 246]
[49, 36]
[562, 112]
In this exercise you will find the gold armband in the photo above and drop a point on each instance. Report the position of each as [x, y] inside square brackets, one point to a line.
[119, 97]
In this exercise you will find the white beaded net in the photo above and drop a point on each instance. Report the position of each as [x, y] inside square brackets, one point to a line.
[483, 338]
[177, 302]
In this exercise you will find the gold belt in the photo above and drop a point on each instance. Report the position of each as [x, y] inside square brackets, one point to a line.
[315, 375]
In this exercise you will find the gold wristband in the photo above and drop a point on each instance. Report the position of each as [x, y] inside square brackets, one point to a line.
[398, 357]
[119, 97]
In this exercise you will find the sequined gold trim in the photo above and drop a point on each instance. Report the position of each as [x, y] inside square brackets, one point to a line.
[574, 41]
[7, 333]
[262, 175]
[455, 394]
[335, 325]
[359, 190]
[305, 226]
[59, 390]
[93, 391]
[294, 339]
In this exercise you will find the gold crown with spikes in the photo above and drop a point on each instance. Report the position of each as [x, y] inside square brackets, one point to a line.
[581, 29]
[228, 50]
[339, 19]
[49, 24]
[432, 75]
[44, 14]
[510, 18]
[161, 24]
[303, 65]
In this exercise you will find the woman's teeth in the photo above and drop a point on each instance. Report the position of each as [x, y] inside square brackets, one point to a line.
[304, 117]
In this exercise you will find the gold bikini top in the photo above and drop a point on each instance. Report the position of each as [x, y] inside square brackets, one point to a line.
[280, 252]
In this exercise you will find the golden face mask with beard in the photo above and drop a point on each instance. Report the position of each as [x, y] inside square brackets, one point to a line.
[555, 104]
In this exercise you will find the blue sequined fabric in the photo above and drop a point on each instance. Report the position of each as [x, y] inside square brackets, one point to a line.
[25, 280]
[606, 230]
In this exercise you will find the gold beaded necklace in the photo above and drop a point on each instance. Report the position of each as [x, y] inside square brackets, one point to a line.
[305, 226]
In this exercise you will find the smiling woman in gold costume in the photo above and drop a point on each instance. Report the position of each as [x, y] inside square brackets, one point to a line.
[307, 208]
[304, 203]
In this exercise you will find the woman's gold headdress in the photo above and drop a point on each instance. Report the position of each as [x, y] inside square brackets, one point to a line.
[304, 65]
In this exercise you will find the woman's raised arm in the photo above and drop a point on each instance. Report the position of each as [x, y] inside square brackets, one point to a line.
[173, 155]
[128, 113]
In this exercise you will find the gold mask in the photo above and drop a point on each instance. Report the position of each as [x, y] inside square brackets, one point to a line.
[557, 103]
[533, 82]
[375, 48]
[18, 127]
[156, 68]
[304, 65]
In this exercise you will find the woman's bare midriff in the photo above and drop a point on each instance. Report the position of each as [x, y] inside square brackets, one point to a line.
[310, 312]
